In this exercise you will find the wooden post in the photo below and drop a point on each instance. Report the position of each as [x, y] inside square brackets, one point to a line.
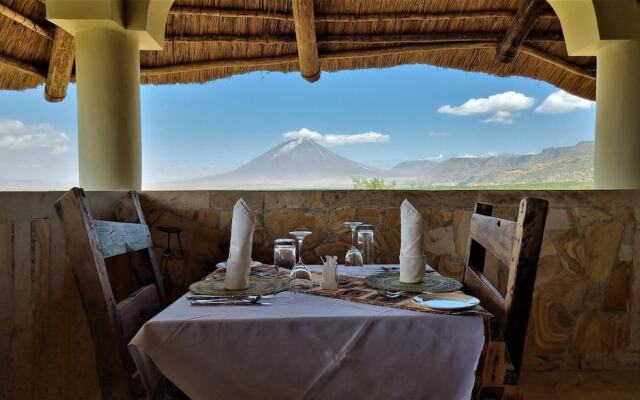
[532, 216]
[527, 14]
[306, 38]
[60, 66]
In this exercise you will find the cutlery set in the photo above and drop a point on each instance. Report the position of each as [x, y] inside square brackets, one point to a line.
[206, 300]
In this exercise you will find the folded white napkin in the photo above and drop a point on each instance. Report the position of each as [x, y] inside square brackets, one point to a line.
[243, 223]
[412, 259]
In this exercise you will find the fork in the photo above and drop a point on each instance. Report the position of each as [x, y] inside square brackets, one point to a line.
[391, 294]
[239, 301]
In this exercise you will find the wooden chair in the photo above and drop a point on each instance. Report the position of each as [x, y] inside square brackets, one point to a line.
[517, 244]
[89, 242]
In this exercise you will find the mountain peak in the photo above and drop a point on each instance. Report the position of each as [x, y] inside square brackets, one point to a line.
[302, 144]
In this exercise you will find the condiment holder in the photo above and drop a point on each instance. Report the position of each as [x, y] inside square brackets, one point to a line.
[330, 273]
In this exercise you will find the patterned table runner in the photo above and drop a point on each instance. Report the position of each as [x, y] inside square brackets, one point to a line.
[353, 288]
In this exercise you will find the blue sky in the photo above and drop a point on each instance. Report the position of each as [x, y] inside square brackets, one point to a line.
[408, 112]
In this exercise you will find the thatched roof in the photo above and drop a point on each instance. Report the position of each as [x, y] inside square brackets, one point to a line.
[212, 39]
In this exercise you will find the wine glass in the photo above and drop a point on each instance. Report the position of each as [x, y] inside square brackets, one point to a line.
[353, 256]
[300, 274]
[284, 256]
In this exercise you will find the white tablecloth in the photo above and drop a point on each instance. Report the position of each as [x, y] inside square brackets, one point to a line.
[309, 347]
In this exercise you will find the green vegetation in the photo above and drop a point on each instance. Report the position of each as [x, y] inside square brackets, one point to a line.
[379, 184]
[372, 183]
[534, 186]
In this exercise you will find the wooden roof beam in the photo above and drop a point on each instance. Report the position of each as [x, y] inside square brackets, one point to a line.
[305, 26]
[266, 62]
[8, 61]
[544, 37]
[60, 66]
[346, 18]
[26, 22]
[523, 22]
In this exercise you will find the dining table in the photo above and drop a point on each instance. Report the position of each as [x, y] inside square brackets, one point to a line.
[311, 346]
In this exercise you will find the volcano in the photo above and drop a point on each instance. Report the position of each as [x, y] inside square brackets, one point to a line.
[297, 162]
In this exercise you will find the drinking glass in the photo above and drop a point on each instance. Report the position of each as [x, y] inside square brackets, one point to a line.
[366, 243]
[353, 256]
[284, 256]
[300, 274]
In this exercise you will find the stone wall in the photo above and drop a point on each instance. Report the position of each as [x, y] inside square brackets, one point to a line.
[586, 312]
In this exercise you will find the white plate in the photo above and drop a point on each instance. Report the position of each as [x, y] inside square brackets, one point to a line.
[446, 301]
[223, 264]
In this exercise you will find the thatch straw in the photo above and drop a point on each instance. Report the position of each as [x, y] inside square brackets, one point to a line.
[212, 39]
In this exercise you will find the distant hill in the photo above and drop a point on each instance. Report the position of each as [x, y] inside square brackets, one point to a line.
[303, 163]
[562, 164]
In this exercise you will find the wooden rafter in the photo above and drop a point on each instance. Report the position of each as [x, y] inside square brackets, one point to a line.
[305, 26]
[265, 62]
[26, 22]
[523, 22]
[365, 38]
[22, 66]
[585, 72]
[346, 18]
[60, 66]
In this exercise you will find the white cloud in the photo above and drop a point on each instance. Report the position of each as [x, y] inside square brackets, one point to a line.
[16, 135]
[485, 155]
[438, 134]
[562, 102]
[500, 117]
[439, 157]
[334, 140]
[503, 106]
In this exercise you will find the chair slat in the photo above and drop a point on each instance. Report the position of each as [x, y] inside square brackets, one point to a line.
[494, 234]
[479, 286]
[137, 309]
[120, 237]
[150, 253]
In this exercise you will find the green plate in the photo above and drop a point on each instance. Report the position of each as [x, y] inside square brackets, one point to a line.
[432, 283]
[258, 285]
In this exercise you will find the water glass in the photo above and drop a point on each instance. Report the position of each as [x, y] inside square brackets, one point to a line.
[284, 256]
[284, 253]
[366, 243]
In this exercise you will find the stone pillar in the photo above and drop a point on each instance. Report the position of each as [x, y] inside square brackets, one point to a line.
[610, 30]
[109, 35]
[617, 158]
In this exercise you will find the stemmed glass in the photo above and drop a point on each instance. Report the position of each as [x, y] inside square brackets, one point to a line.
[353, 256]
[300, 274]
[284, 256]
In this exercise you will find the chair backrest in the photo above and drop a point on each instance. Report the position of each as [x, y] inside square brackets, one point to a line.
[89, 242]
[516, 244]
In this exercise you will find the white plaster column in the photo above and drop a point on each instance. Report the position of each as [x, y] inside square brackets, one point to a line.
[610, 30]
[108, 87]
[617, 154]
[109, 35]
